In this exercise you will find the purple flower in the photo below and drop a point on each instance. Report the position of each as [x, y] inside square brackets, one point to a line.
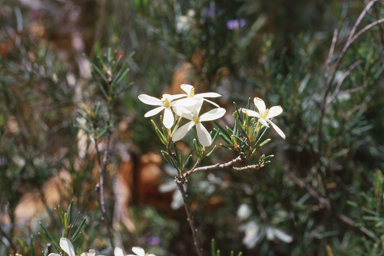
[236, 24]
[153, 240]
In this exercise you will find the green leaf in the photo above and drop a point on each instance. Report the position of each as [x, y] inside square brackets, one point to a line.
[69, 212]
[162, 138]
[187, 161]
[197, 149]
[213, 249]
[96, 68]
[77, 232]
[210, 152]
[48, 235]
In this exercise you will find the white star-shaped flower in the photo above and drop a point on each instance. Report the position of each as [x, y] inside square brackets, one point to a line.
[266, 114]
[202, 134]
[165, 103]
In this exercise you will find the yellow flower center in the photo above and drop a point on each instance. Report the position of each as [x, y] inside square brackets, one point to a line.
[196, 120]
[191, 92]
[265, 114]
[166, 103]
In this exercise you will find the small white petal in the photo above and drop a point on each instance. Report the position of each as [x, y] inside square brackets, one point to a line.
[118, 252]
[183, 112]
[260, 104]
[149, 100]
[186, 87]
[153, 112]
[91, 252]
[251, 112]
[168, 118]
[182, 131]
[274, 111]
[277, 129]
[270, 234]
[67, 246]
[213, 103]
[203, 135]
[177, 200]
[167, 187]
[208, 95]
[83, 254]
[151, 254]
[212, 114]
[190, 101]
[53, 254]
[139, 251]
[263, 122]
[173, 97]
[282, 236]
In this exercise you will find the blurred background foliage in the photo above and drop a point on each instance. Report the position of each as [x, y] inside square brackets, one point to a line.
[323, 191]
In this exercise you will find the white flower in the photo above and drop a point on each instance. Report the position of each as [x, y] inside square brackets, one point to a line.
[193, 98]
[90, 253]
[202, 134]
[165, 104]
[266, 114]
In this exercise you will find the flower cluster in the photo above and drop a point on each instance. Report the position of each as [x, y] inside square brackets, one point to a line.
[188, 106]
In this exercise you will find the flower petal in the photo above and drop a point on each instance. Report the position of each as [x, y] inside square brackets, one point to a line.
[263, 122]
[118, 252]
[67, 246]
[186, 87]
[149, 100]
[213, 103]
[153, 112]
[139, 251]
[203, 135]
[274, 111]
[260, 104]
[173, 97]
[53, 254]
[212, 114]
[208, 95]
[182, 131]
[168, 118]
[251, 112]
[277, 129]
[183, 112]
[190, 101]
[282, 236]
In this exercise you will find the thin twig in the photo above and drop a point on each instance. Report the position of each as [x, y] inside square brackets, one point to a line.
[214, 166]
[341, 81]
[100, 188]
[189, 217]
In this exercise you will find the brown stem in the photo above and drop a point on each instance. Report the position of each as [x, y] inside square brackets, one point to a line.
[100, 186]
[189, 217]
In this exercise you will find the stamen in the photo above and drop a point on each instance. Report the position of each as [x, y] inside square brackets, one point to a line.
[166, 103]
[191, 92]
[265, 114]
[196, 120]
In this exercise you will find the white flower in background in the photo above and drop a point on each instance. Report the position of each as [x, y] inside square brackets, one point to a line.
[170, 185]
[193, 98]
[266, 114]
[273, 233]
[165, 104]
[252, 234]
[184, 22]
[139, 252]
[202, 134]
